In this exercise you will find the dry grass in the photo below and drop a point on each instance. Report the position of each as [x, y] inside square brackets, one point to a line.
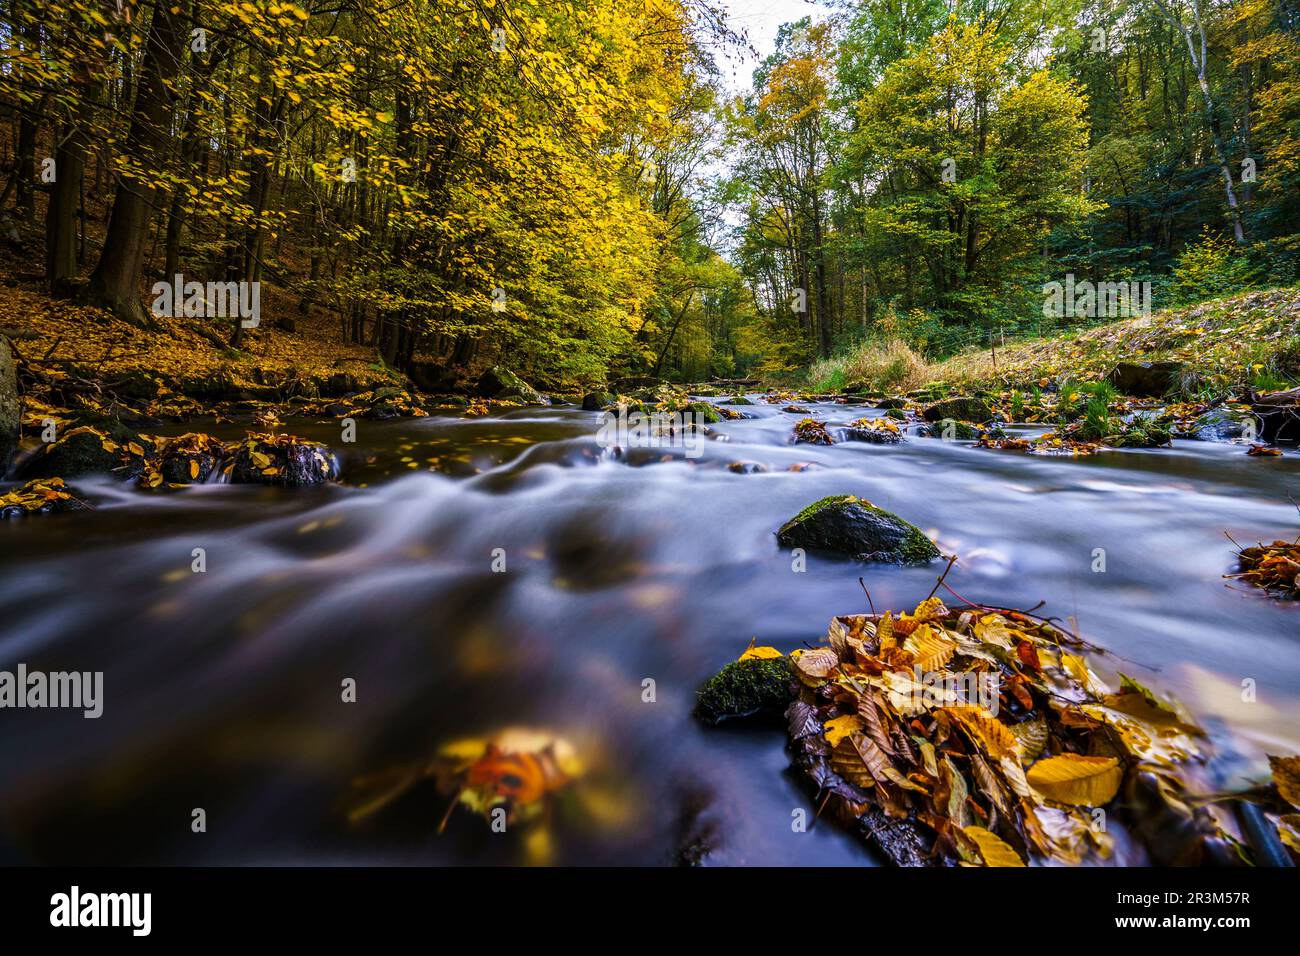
[876, 365]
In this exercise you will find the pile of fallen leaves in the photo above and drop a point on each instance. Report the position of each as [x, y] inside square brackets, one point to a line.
[1274, 567]
[981, 736]
[39, 496]
[813, 432]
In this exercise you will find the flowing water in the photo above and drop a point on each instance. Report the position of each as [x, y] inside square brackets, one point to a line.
[222, 689]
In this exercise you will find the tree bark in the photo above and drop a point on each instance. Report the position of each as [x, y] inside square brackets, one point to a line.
[115, 282]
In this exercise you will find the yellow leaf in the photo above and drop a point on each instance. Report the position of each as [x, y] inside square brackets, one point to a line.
[194, 469]
[1286, 777]
[991, 733]
[135, 449]
[993, 849]
[840, 727]
[762, 653]
[1077, 780]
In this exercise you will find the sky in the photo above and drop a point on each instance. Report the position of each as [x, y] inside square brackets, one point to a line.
[760, 19]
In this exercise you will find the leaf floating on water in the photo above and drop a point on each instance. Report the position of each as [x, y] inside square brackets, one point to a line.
[1077, 780]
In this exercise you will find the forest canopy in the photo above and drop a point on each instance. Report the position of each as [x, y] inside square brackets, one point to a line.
[571, 187]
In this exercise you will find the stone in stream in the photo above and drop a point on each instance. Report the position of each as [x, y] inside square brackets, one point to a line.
[1223, 425]
[40, 496]
[737, 400]
[1145, 379]
[88, 451]
[965, 408]
[755, 687]
[952, 430]
[280, 460]
[596, 401]
[502, 384]
[849, 525]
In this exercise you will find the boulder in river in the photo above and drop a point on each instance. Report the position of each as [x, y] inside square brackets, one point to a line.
[597, 401]
[1145, 379]
[38, 497]
[502, 384]
[847, 524]
[87, 451]
[962, 408]
[754, 687]
[737, 400]
[1223, 424]
[952, 430]
[286, 460]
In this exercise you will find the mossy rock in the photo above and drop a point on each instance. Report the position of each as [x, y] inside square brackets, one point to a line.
[897, 414]
[951, 430]
[757, 687]
[849, 525]
[894, 403]
[704, 412]
[965, 409]
[738, 400]
[597, 401]
[83, 451]
[504, 385]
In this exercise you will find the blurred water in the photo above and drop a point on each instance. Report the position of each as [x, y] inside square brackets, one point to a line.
[222, 689]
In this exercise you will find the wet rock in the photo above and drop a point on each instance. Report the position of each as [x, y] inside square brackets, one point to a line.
[737, 400]
[1145, 379]
[280, 460]
[847, 524]
[191, 458]
[812, 432]
[753, 688]
[11, 410]
[966, 409]
[502, 384]
[953, 430]
[1279, 414]
[89, 451]
[891, 403]
[897, 414]
[41, 496]
[596, 401]
[873, 431]
[795, 410]
[704, 413]
[1223, 425]
[747, 468]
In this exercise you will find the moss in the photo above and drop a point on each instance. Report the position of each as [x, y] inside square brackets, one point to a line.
[704, 412]
[897, 414]
[821, 503]
[758, 686]
[739, 400]
[854, 526]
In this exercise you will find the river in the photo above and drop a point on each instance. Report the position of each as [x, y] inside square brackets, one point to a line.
[222, 688]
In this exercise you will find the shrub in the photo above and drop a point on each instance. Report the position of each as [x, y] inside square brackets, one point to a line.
[1209, 268]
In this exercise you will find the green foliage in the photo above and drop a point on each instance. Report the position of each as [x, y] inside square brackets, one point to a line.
[1209, 268]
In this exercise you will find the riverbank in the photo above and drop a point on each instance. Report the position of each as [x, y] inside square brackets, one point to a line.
[1232, 345]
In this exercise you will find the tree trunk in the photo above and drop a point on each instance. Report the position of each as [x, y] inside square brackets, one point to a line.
[115, 282]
